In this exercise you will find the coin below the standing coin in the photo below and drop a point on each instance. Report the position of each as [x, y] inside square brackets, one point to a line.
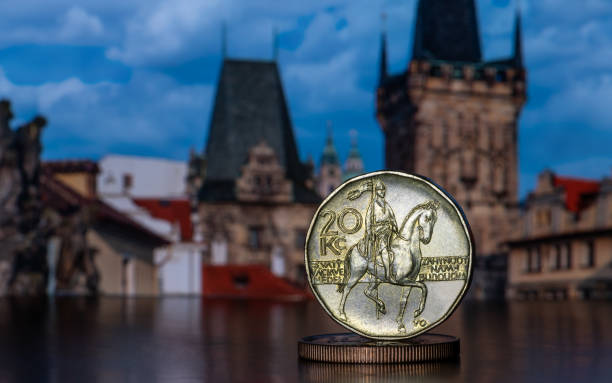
[353, 348]
[389, 255]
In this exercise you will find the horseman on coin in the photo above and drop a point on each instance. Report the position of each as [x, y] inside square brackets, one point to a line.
[380, 227]
[398, 249]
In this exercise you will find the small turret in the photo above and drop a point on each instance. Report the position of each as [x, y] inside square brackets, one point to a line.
[354, 163]
[330, 156]
[330, 173]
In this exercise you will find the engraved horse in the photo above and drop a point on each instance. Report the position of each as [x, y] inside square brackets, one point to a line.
[417, 228]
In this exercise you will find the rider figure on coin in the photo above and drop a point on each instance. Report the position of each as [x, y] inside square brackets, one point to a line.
[380, 226]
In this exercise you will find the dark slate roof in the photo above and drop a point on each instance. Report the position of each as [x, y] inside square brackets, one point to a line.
[250, 106]
[447, 30]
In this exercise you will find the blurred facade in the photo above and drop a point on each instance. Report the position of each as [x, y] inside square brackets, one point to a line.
[95, 248]
[152, 192]
[57, 236]
[453, 117]
[256, 199]
[331, 173]
[564, 249]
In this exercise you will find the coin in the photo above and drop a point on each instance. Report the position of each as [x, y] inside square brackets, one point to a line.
[389, 255]
[353, 348]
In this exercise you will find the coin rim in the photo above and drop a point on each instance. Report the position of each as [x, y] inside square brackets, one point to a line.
[466, 227]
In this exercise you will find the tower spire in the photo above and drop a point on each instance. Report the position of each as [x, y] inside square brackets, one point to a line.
[353, 165]
[383, 50]
[275, 44]
[518, 44]
[224, 39]
[330, 156]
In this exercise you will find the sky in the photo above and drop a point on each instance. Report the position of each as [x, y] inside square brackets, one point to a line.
[138, 77]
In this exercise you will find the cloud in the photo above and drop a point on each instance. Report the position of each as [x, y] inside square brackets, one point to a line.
[327, 85]
[151, 114]
[171, 32]
[54, 22]
[582, 101]
[77, 23]
[168, 31]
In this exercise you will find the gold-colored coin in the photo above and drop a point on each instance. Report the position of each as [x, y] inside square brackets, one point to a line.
[353, 348]
[389, 255]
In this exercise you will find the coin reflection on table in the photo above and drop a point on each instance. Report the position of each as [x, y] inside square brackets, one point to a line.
[389, 255]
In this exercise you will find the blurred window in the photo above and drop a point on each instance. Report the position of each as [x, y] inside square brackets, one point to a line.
[555, 258]
[535, 260]
[255, 237]
[565, 260]
[241, 281]
[589, 256]
[543, 217]
[127, 181]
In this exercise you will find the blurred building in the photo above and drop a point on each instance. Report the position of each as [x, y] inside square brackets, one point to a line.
[331, 173]
[453, 117]
[564, 249]
[152, 192]
[57, 235]
[257, 198]
[94, 248]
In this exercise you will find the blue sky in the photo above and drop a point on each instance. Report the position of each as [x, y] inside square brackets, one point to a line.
[138, 77]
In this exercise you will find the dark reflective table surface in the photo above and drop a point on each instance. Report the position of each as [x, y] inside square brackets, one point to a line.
[192, 340]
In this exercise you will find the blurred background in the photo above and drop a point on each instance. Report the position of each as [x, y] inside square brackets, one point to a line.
[164, 148]
[136, 135]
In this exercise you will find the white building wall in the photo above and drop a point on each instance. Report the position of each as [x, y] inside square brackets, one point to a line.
[150, 177]
[180, 269]
[179, 265]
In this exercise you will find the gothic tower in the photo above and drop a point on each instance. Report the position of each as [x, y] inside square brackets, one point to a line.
[452, 116]
[353, 166]
[256, 197]
[330, 173]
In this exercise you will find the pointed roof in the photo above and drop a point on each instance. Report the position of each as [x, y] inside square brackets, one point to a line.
[250, 107]
[354, 163]
[518, 47]
[354, 152]
[447, 30]
[329, 156]
[382, 75]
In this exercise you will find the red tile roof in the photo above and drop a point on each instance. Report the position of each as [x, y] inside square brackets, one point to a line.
[247, 281]
[70, 166]
[576, 190]
[174, 211]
